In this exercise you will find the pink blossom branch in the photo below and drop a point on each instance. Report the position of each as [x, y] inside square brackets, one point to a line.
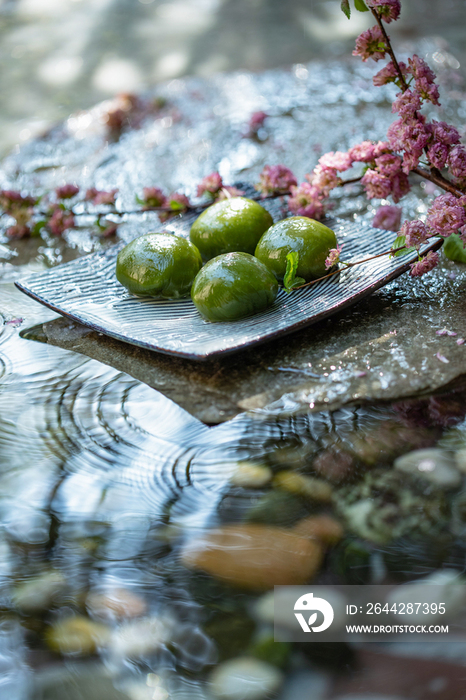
[115, 212]
[437, 179]
[391, 53]
[434, 175]
[392, 251]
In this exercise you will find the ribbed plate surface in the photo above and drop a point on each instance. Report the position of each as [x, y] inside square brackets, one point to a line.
[87, 291]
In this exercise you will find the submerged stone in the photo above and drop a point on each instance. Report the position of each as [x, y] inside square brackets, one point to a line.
[305, 486]
[117, 603]
[277, 507]
[40, 593]
[77, 635]
[387, 504]
[435, 465]
[254, 557]
[245, 678]
[250, 475]
[320, 527]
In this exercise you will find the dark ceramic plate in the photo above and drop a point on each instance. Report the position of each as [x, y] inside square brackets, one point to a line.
[87, 291]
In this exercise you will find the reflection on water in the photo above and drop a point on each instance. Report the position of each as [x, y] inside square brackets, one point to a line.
[138, 545]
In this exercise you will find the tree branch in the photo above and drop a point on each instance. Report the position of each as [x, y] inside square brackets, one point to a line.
[403, 83]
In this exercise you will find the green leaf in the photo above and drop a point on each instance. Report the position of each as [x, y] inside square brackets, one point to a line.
[290, 280]
[37, 228]
[345, 6]
[361, 6]
[139, 200]
[176, 206]
[453, 249]
[398, 243]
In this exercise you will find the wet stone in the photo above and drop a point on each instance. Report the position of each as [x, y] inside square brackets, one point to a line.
[388, 504]
[305, 486]
[277, 507]
[320, 527]
[254, 557]
[245, 679]
[434, 465]
[40, 593]
[77, 635]
[250, 475]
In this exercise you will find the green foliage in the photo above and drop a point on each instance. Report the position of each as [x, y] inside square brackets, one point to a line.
[345, 6]
[176, 206]
[398, 243]
[454, 249]
[290, 281]
[37, 228]
[359, 5]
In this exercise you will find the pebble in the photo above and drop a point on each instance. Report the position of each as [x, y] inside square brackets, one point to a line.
[140, 637]
[276, 607]
[432, 464]
[40, 593]
[251, 476]
[245, 678]
[320, 527]
[305, 486]
[445, 586]
[77, 635]
[460, 460]
[336, 466]
[117, 603]
[255, 557]
[278, 508]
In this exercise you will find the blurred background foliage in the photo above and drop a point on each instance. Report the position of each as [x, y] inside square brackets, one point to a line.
[59, 56]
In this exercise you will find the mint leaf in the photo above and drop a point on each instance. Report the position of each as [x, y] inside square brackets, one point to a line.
[361, 6]
[398, 243]
[345, 6]
[453, 248]
[290, 280]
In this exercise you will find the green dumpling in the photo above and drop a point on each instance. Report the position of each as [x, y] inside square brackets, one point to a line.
[311, 239]
[232, 225]
[233, 286]
[158, 264]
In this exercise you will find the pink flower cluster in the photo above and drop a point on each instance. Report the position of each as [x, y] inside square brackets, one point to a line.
[307, 200]
[447, 215]
[333, 257]
[256, 122]
[275, 179]
[415, 232]
[425, 264]
[100, 196]
[389, 10]
[60, 221]
[177, 203]
[371, 44]
[20, 208]
[155, 198]
[387, 217]
[386, 178]
[11, 200]
[66, 191]
[210, 185]
[389, 74]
